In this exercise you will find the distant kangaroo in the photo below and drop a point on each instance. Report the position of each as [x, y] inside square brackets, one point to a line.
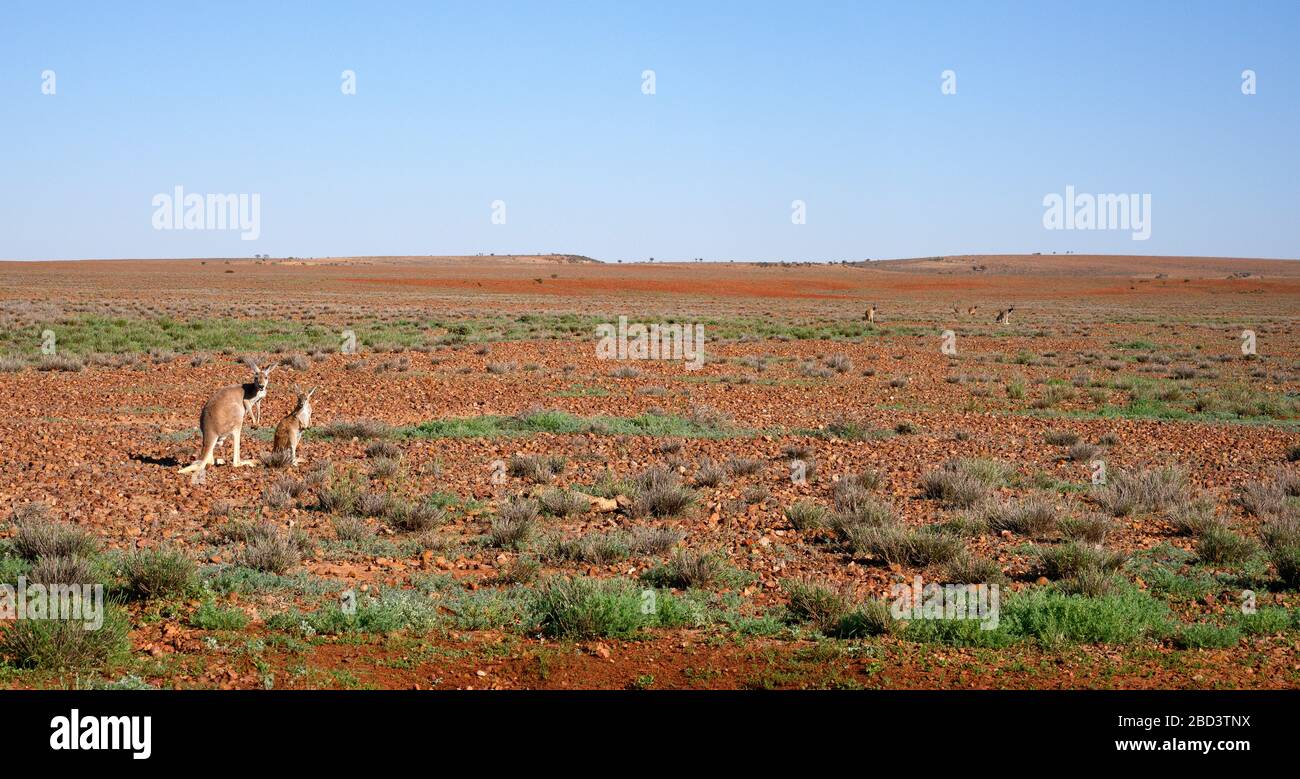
[971, 311]
[1004, 316]
[870, 316]
[223, 415]
[289, 432]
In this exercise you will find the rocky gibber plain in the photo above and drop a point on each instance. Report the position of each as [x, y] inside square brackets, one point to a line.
[1108, 473]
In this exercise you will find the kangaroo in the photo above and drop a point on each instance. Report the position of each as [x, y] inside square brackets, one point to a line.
[870, 316]
[971, 311]
[289, 432]
[1004, 316]
[223, 415]
[253, 405]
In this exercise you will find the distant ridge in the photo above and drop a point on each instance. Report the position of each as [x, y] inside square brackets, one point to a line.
[431, 259]
[1091, 265]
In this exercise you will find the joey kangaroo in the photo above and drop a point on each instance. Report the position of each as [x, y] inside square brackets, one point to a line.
[870, 316]
[289, 432]
[1004, 316]
[223, 415]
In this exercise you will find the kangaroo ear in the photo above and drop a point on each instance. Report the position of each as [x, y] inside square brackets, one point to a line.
[296, 388]
[312, 391]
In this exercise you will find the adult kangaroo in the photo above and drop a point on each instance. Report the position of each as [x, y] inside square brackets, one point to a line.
[223, 415]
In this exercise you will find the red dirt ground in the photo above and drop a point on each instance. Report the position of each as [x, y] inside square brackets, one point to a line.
[100, 445]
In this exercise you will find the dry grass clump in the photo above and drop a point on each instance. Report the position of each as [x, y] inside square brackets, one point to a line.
[744, 466]
[903, 546]
[660, 493]
[338, 496]
[1054, 394]
[806, 515]
[1092, 528]
[1267, 499]
[833, 611]
[709, 474]
[1034, 516]
[862, 481]
[359, 428]
[797, 452]
[524, 570]
[38, 537]
[1154, 489]
[514, 523]
[563, 503]
[62, 570]
[839, 363]
[163, 572]
[536, 468]
[375, 504]
[1194, 516]
[1218, 545]
[1083, 452]
[852, 496]
[383, 450]
[654, 540]
[709, 417]
[592, 548]
[1281, 539]
[353, 529]
[1069, 559]
[60, 362]
[688, 568]
[222, 507]
[276, 497]
[962, 483]
[384, 468]
[855, 508]
[1091, 583]
[971, 569]
[394, 365]
[280, 458]
[1061, 438]
[268, 549]
[420, 517]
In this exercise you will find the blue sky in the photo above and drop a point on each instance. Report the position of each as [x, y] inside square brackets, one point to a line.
[756, 105]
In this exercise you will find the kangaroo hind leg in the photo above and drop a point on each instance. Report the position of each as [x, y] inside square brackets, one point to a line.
[206, 458]
[238, 463]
